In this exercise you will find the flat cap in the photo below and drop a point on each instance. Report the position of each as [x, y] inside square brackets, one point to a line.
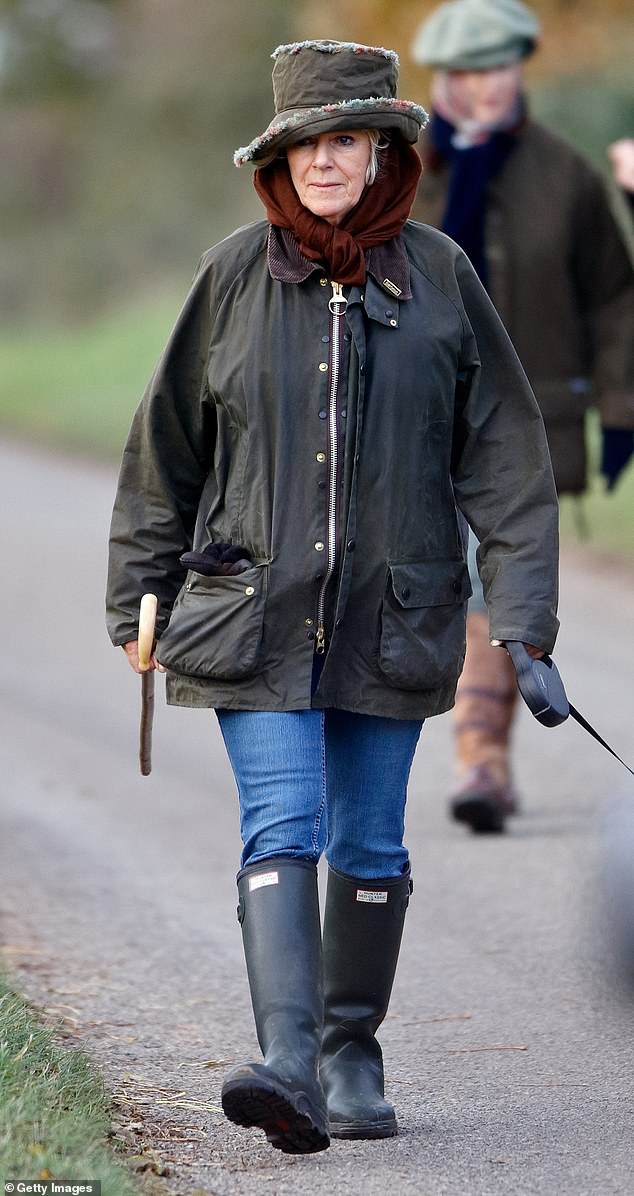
[476, 35]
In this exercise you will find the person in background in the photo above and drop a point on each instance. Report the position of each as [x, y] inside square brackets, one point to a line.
[533, 216]
[621, 155]
[330, 408]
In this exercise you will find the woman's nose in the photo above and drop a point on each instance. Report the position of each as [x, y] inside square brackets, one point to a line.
[323, 155]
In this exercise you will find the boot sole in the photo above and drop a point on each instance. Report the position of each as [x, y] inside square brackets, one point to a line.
[359, 1131]
[481, 812]
[258, 1104]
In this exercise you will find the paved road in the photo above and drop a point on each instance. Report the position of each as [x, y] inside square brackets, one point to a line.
[509, 1045]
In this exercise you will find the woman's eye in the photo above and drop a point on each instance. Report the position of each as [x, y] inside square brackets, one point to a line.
[345, 139]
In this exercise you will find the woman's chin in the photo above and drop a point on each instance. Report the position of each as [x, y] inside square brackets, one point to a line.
[331, 212]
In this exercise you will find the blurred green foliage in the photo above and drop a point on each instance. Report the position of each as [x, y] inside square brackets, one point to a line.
[117, 142]
[77, 388]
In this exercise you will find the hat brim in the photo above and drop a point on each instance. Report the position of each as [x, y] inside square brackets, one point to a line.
[482, 59]
[288, 127]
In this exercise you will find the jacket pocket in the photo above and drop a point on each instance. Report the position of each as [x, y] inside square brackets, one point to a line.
[216, 625]
[423, 621]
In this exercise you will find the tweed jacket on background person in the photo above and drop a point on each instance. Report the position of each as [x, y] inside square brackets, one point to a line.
[230, 444]
[561, 279]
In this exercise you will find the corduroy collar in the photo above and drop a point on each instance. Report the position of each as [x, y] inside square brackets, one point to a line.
[388, 263]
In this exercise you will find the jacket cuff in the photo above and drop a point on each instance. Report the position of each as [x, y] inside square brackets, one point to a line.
[542, 637]
[616, 409]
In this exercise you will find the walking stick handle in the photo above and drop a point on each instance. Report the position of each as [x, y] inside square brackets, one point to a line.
[147, 622]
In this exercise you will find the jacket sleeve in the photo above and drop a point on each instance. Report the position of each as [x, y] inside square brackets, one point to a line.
[166, 461]
[605, 286]
[502, 476]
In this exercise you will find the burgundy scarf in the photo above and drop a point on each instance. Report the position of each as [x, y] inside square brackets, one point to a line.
[378, 217]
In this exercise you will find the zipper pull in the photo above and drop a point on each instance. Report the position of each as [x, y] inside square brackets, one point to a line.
[320, 642]
[337, 297]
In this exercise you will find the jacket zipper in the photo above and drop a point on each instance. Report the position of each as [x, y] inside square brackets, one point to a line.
[337, 305]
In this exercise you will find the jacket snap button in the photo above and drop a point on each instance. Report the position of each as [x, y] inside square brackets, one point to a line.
[323, 365]
[405, 592]
[389, 312]
[394, 323]
[309, 622]
[323, 282]
[323, 413]
[351, 545]
[321, 483]
[320, 457]
[319, 545]
[310, 635]
[249, 591]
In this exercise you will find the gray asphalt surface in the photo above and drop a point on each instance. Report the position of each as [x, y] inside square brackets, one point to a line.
[509, 1047]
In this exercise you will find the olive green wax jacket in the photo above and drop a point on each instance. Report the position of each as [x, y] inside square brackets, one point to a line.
[436, 424]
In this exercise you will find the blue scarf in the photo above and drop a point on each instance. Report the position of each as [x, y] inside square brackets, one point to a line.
[472, 169]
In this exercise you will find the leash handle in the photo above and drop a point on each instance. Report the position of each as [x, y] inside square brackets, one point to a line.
[540, 685]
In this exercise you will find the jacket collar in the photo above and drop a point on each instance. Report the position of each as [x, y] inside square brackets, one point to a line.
[388, 264]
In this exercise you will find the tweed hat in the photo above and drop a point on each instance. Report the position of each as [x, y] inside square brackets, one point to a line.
[319, 86]
[476, 35]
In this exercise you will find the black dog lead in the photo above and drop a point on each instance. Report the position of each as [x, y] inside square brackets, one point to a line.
[543, 691]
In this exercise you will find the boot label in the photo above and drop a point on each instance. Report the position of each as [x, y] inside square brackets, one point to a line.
[261, 881]
[372, 896]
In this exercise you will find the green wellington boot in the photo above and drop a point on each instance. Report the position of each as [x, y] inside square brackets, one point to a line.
[363, 925]
[279, 913]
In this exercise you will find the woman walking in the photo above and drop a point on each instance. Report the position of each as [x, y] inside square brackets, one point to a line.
[331, 407]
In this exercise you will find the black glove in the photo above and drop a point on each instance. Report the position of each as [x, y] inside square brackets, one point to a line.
[218, 560]
[616, 450]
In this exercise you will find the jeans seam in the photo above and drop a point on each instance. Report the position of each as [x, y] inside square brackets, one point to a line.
[320, 811]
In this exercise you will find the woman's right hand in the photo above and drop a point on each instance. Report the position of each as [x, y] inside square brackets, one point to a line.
[131, 650]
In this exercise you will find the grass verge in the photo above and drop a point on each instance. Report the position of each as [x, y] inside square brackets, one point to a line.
[76, 389]
[55, 1114]
[598, 520]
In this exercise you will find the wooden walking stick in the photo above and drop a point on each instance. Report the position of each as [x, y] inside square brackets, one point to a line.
[147, 621]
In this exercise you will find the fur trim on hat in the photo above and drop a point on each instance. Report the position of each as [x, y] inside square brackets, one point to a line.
[333, 47]
[306, 116]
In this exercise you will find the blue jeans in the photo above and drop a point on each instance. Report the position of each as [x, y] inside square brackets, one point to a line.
[313, 781]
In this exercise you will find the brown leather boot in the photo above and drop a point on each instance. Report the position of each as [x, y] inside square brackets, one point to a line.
[483, 715]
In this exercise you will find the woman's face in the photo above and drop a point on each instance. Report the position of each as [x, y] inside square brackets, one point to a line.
[489, 95]
[328, 171]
